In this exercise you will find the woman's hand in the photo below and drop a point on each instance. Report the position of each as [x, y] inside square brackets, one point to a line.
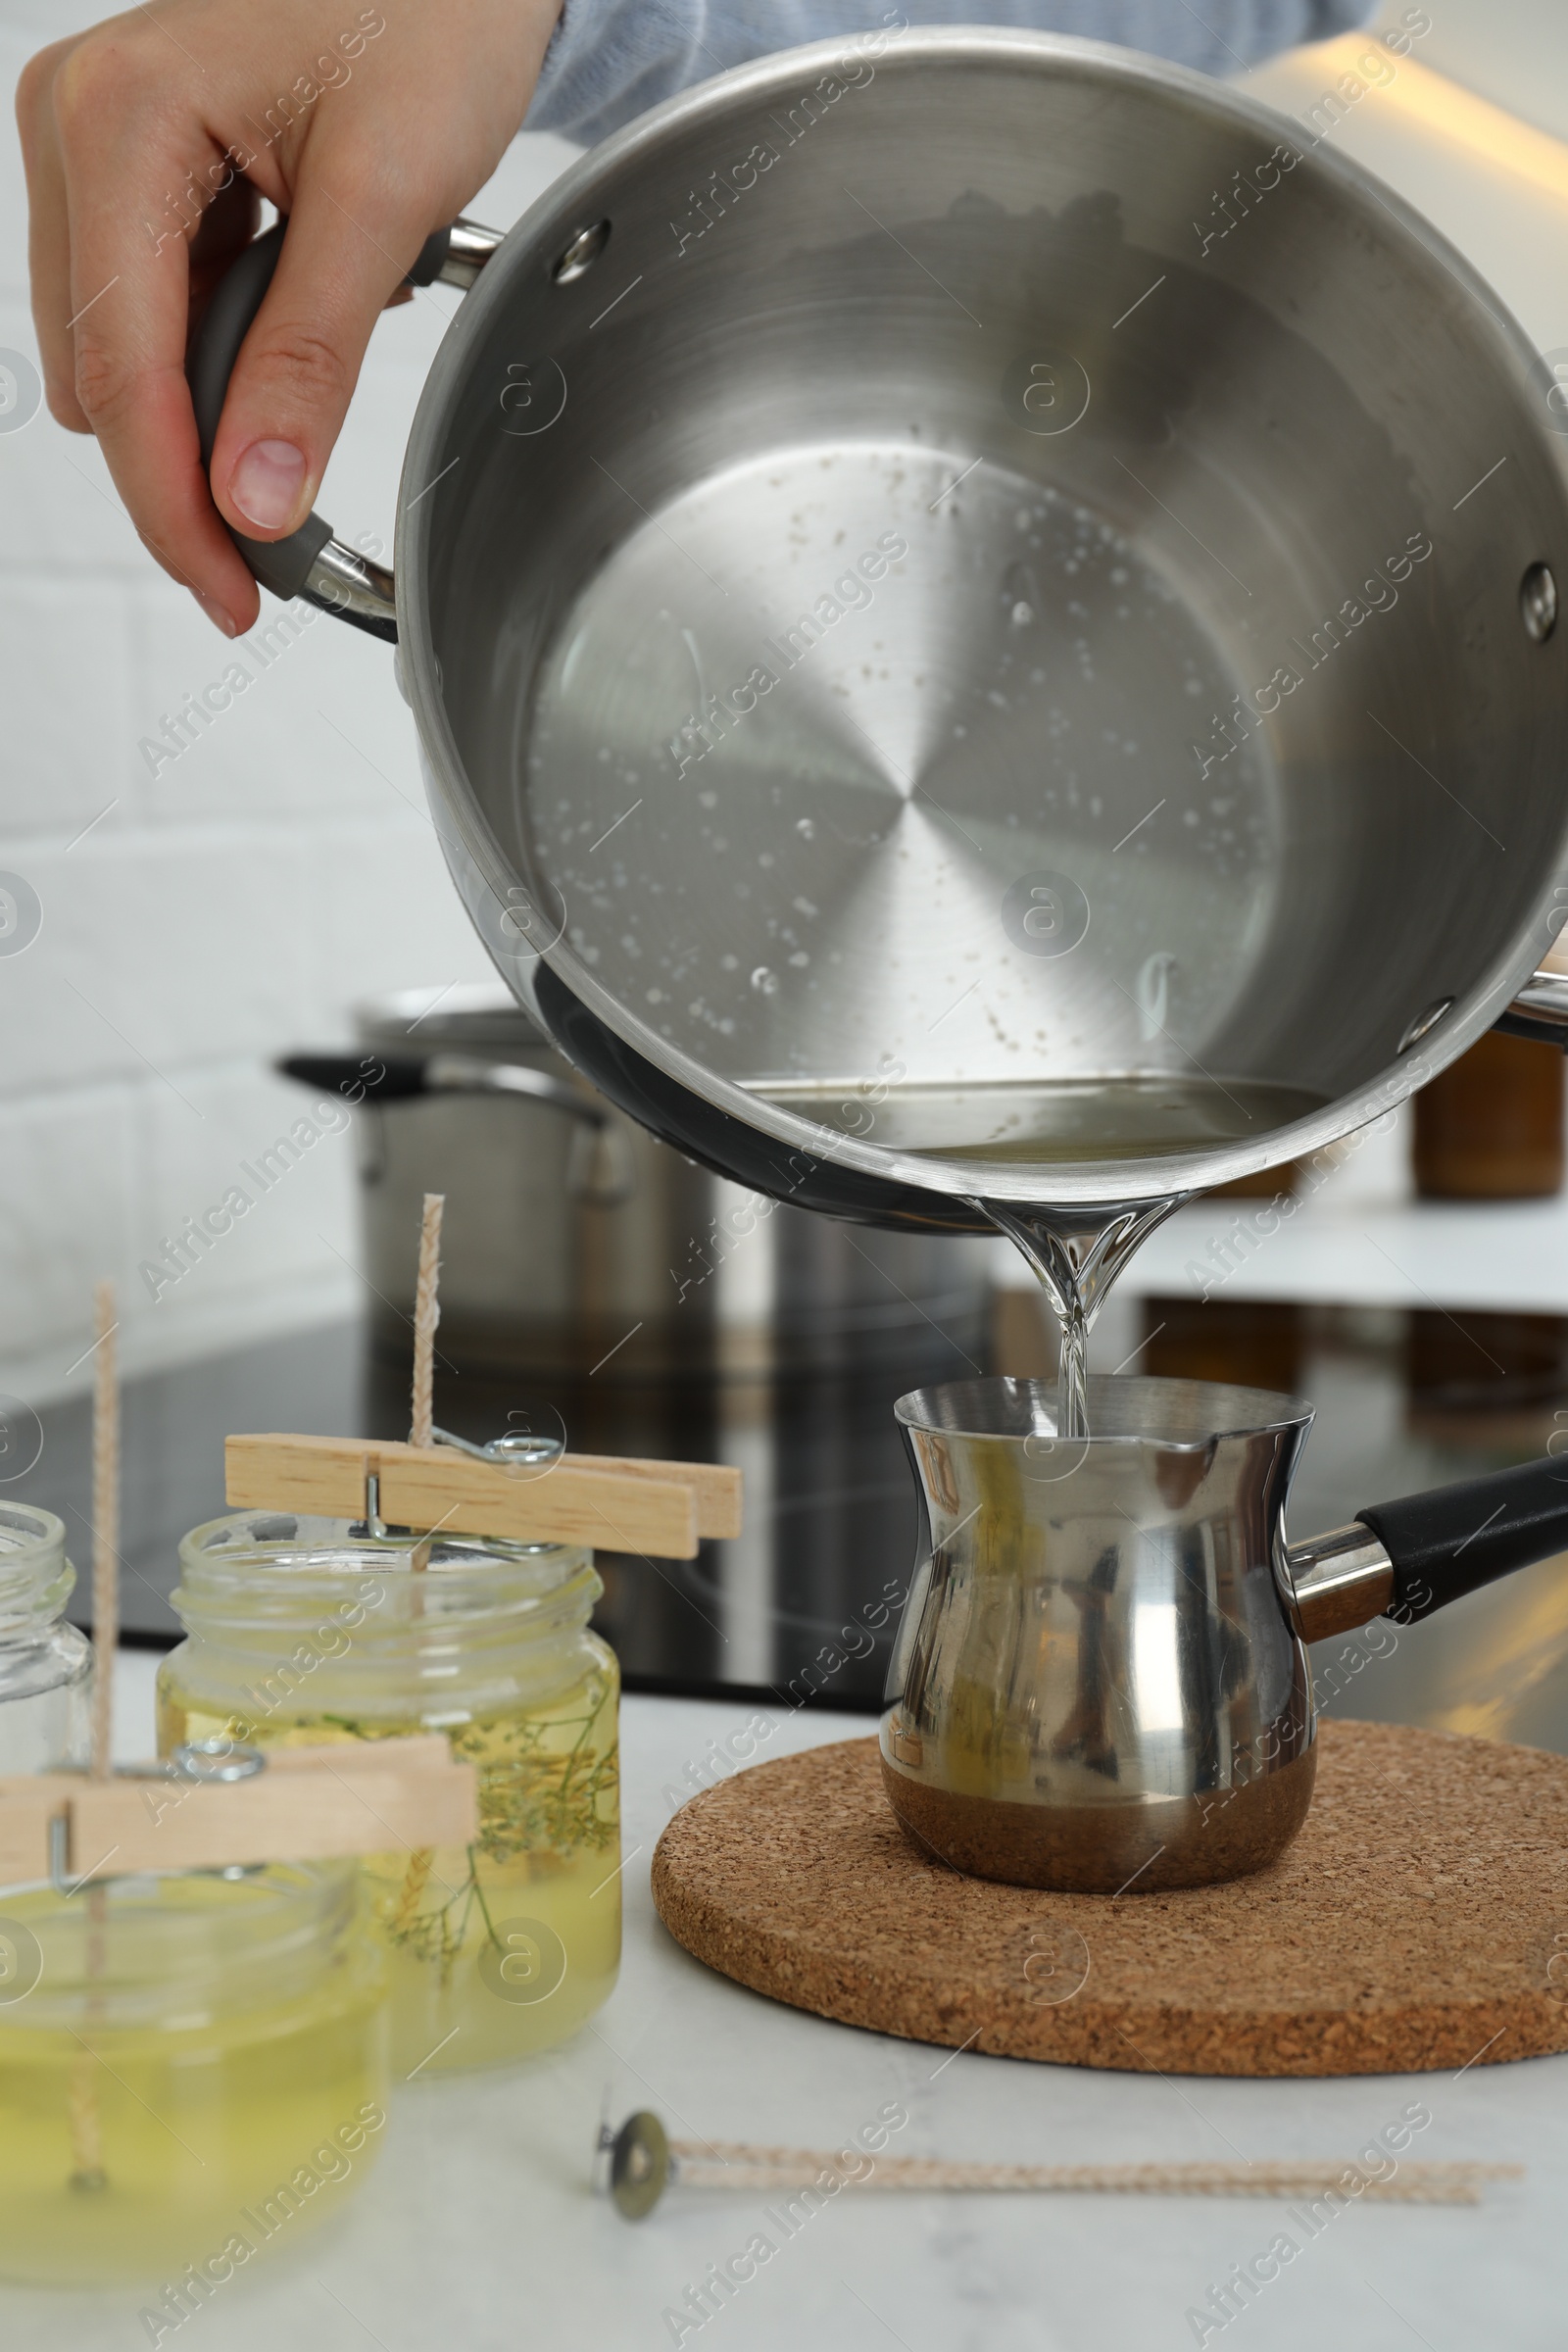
[147, 143]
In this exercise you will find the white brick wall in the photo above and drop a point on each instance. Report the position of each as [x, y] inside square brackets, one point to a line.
[234, 905]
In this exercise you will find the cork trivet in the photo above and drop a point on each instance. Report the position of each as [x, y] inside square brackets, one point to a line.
[1413, 1924]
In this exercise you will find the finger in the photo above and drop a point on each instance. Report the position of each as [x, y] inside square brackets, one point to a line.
[48, 232]
[126, 305]
[348, 248]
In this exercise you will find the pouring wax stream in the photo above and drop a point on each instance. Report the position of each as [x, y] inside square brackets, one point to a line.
[1076, 1253]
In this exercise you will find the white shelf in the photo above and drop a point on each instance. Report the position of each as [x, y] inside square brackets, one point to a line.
[1357, 1238]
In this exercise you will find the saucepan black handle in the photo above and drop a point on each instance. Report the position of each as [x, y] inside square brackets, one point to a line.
[309, 562]
[1453, 1539]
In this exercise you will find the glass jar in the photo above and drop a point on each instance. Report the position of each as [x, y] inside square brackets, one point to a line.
[302, 1631]
[45, 1664]
[1490, 1127]
[191, 2068]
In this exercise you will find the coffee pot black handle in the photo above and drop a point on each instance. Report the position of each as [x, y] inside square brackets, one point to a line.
[1453, 1539]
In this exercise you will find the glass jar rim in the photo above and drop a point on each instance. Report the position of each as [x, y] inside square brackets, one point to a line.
[261, 1571]
[163, 1949]
[25, 1525]
[277, 1534]
[36, 1579]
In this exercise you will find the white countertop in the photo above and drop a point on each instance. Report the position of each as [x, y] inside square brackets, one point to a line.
[479, 2228]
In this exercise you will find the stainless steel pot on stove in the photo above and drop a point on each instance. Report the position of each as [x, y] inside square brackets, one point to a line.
[577, 1245]
[956, 662]
[1101, 1682]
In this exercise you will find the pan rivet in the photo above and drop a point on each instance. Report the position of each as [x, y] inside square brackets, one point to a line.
[581, 254]
[1424, 1023]
[1538, 602]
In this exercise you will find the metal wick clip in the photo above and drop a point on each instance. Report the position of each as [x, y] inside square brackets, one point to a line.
[194, 1763]
[513, 1451]
[637, 2163]
[516, 1449]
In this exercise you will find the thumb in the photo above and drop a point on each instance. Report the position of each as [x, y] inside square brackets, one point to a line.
[299, 361]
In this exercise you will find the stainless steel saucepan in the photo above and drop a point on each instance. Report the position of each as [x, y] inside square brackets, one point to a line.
[982, 615]
[1101, 1682]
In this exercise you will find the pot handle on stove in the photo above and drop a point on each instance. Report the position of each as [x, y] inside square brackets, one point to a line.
[309, 562]
[1540, 1011]
[402, 1077]
[601, 1168]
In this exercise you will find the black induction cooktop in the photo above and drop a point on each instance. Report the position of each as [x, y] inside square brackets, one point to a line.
[802, 1609]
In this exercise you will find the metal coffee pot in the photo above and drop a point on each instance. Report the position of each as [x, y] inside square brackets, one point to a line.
[1101, 1683]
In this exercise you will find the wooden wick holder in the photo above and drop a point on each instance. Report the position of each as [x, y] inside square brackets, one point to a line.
[297, 1804]
[602, 1501]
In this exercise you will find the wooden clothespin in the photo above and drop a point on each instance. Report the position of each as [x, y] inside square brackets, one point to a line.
[522, 1489]
[527, 1494]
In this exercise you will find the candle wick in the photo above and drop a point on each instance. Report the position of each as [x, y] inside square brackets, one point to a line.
[426, 1315]
[105, 1528]
[84, 2117]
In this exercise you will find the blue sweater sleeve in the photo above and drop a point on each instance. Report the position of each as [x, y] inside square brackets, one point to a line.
[609, 60]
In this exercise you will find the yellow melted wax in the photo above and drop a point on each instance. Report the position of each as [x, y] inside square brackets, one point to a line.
[475, 1982]
[210, 2138]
